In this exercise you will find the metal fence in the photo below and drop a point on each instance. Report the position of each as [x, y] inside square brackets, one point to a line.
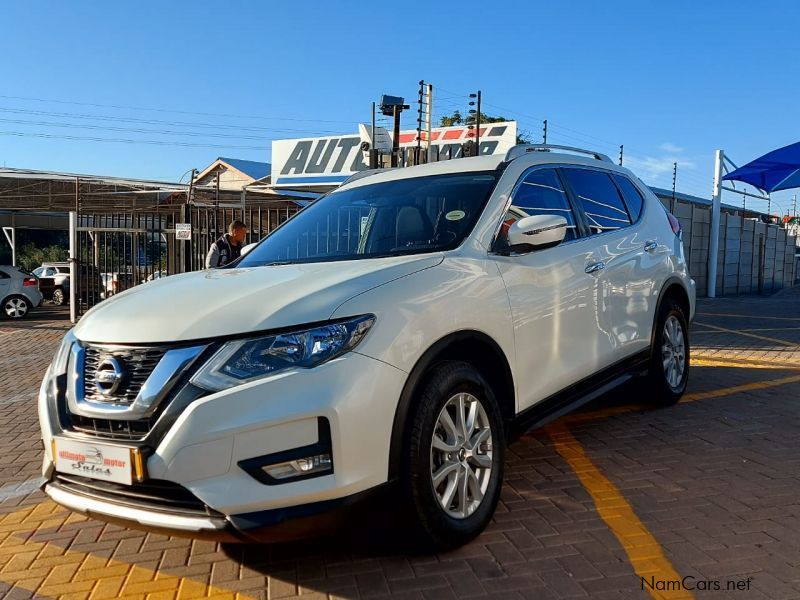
[118, 251]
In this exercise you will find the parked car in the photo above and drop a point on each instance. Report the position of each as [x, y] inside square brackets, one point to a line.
[395, 334]
[57, 278]
[19, 292]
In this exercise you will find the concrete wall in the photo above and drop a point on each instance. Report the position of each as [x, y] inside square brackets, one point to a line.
[753, 257]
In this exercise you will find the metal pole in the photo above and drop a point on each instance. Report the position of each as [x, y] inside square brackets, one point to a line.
[396, 138]
[373, 154]
[73, 269]
[674, 182]
[421, 101]
[428, 117]
[621, 150]
[544, 135]
[478, 128]
[13, 239]
[713, 241]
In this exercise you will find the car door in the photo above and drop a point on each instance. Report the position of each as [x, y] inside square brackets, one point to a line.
[5, 284]
[549, 292]
[623, 298]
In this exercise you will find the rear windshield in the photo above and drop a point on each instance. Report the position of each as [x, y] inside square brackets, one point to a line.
[405, 216]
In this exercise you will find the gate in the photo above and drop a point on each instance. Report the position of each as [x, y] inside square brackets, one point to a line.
[114, 252]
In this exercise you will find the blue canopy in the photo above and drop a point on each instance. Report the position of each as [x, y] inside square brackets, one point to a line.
[776, 170]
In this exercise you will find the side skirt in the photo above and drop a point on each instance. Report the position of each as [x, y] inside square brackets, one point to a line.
[576, 395]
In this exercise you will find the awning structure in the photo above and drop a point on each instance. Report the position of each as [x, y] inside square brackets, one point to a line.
[776, 170]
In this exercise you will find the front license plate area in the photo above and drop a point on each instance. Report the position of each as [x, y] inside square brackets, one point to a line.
[105, 462]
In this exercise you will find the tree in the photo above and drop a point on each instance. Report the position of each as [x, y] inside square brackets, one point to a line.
[30, 257]
[523, 136]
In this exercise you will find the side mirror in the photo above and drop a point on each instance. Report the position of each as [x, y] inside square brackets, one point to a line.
[249, 247]
[539, 231]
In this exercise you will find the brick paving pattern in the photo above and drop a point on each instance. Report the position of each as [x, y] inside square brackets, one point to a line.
[715, 481]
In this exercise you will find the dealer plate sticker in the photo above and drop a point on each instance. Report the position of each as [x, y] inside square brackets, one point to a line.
[98, 461]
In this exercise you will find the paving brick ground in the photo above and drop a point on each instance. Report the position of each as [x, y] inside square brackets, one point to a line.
[714, 482]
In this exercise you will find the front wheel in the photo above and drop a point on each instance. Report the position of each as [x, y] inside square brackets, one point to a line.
[454, 456]
[16, 307]
[669, 364]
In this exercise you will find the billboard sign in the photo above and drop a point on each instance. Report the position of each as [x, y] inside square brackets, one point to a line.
[328, 161]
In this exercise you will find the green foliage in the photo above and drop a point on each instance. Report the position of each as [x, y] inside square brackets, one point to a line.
[30, 256]
[523, 137]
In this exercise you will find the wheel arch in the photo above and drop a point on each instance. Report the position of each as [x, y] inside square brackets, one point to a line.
[472, 346]
[674, 289]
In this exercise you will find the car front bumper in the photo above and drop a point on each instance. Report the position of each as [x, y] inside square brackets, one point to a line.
[204, 451]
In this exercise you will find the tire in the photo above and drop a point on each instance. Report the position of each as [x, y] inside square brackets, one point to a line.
[58, 297]
[669, 362]
[479, 461]
[16, 307]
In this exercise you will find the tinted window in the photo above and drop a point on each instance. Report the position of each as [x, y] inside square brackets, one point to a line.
[599, 198]
[403, 216]
[631, 196]
[4, 275]
[540, 193]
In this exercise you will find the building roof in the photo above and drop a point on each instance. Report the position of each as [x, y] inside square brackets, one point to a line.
[254, 169]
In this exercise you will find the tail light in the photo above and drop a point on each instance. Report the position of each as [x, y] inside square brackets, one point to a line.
[30, 281]
[674, 223]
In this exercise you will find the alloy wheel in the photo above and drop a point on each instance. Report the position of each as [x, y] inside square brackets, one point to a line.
[16, 308]
[673, 352]
[461, 455]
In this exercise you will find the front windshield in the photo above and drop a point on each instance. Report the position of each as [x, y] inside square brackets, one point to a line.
[404, 216]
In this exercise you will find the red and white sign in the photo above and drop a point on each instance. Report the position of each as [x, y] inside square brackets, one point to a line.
[90, 459]
[328, 161]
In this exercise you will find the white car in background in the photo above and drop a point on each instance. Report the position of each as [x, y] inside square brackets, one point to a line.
[398, 333]
[19, 292]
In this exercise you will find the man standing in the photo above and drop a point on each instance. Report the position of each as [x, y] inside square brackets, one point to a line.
[227, 248]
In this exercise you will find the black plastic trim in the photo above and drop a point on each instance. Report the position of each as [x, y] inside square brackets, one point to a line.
[254, 466]
[578, 394]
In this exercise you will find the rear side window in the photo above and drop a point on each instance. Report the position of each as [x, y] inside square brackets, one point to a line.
[631, 195]
[4, 275]
[540, 193]
[599, 198]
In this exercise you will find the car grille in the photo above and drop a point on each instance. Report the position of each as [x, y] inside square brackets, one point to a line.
[154, 494]
[112, 429]
[137, 364]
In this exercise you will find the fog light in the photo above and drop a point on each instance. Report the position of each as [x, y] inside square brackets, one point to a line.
[297, 464]
[310, 465]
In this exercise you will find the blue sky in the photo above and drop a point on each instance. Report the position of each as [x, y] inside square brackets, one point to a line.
[672, 81]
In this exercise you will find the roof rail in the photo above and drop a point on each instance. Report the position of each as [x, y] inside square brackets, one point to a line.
[523, 149]
[362, 174]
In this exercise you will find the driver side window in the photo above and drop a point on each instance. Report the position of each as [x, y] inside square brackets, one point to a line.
[539, 193]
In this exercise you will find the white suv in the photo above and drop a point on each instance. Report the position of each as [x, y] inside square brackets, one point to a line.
[400, 330]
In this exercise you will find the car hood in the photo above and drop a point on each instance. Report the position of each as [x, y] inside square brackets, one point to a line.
[215, 303]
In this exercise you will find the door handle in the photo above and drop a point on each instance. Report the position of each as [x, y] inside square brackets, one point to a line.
[650, 246]
[595, 267]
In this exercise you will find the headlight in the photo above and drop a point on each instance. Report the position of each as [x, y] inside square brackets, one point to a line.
[241, 361]
[60, 360]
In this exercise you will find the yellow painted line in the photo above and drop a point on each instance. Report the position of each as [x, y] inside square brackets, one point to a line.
[751, 317]
[743, 363]
[736, 389]
[643, 550]
[750, 335]
[602, 413]
[53, 571]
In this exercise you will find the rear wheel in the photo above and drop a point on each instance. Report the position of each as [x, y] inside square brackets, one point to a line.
[58, 297]
[669, 366]
[16, 307]
[454, 457]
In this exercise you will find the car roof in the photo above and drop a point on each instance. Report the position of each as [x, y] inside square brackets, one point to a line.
[481, 163]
